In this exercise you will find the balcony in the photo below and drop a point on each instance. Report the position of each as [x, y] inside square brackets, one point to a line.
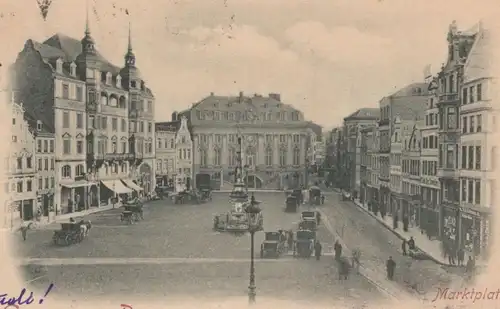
[448, 98]
[447, 173]
[115, 156]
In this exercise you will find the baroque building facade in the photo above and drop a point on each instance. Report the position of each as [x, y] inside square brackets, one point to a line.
[101, 117]
[166, 153]
[275, 138]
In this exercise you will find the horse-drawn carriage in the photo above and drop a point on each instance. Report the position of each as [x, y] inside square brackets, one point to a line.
[184, 197]
[308, 225]
[291, 204]
[304, 243]
[132, 213]
[163, 192]
[273, 245]
[315, 196]
[311, 216]
[71, 233]
[205, 195]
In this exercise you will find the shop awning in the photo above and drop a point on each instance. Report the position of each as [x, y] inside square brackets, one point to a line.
[116, 186]
[129, 183]
[77, 184]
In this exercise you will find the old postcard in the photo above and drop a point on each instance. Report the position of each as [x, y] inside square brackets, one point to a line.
[229, 153]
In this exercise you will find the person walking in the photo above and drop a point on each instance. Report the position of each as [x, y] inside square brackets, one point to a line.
[24, 229]
[356, 258]
[460, 256]
[390, 267]
[403, 247]
[451, 255]
[317, 250]
[405, 223]
[470, 267]
[337, 247]
[411, 243]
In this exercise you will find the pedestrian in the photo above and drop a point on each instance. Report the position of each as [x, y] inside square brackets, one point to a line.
[411, 243]
[290, 240]
[343, 269]
[460, 256]
[405, 223]
[322, 198]
[317, 250]
[391, 266]
[337, 247]
[24, 229]
[403, 246]
[356, 258]
[395, 221]
[470, 267]
[451, 255]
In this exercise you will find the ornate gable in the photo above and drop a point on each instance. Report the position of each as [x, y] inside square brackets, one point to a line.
[66, 135]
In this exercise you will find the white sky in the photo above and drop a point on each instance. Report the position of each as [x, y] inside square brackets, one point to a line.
[327, 58]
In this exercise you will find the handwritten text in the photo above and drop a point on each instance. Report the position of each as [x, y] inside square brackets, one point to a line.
[467, 294]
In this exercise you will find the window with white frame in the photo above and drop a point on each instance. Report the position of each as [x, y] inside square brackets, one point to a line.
[66, 171]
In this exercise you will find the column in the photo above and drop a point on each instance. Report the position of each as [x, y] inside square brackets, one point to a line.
[289, 158]
[276, 150]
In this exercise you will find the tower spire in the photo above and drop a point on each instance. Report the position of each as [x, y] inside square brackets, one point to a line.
[129, 37]
[87, 27]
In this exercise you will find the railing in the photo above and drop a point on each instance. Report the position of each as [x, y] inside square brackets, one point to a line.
[449, 97]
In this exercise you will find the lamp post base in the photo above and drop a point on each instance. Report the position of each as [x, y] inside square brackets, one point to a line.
[251, 294]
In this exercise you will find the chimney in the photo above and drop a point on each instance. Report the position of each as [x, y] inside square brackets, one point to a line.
[174, 116]
[275, 96]
[240, 99]
[211, 94]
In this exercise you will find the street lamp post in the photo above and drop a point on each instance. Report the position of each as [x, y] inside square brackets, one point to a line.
[254, 224]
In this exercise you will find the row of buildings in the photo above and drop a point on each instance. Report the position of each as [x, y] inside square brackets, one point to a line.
[427, 153]
[83, 132]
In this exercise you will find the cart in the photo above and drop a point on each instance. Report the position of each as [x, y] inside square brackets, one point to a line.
[273, 245]
[70, 233]
[304, 244]
[291, 204]
[136, 210]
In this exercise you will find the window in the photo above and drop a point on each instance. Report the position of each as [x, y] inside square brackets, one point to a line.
[114, 124]
[40, 183]
[470, 190]
[282, 138]
[203, 157]
[471, 157]
[479, 92]
[66, 146]
[269, 156]
[471, 95]
[20, 186]
[283, 157]
[19, 163]
[172, 143]
[464, 157]
[66, 171]
[40, 165]
[29, 162]
[124, 147]
[296, 156]
[124, 125]
[479, 126]
[39, 146]
[471, 124]
[217, 157]
[45, 146]
[449, 156]
[51, 146]
[52, 164]
[464, 125]
[464, 189]
[478, 157]
[104, 122]
[52, 182]
[452, 118]
[150, 106]
[79, 147]
[29, 186]
[65, 91]
[189, 154]
[232, 157]
[79, 121]
[150, 127]
[180, 154]
[46, 164]
[79, 93]
[66, 120]
[46, 182]
[464, 96]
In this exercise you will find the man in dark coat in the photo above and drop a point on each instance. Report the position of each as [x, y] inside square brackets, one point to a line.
[460, 256]
[395, 221]
[391, 266]
[403, 247]
[452, 255]
[411, 243]
[317, 250]
[337, 247]
[470, 267]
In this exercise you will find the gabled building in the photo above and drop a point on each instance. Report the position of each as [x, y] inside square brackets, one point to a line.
[166, 152]
[101, 116]
[478, 156]
[184, 156]
[352, 160]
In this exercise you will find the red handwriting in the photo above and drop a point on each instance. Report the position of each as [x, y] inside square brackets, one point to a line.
[125, 306]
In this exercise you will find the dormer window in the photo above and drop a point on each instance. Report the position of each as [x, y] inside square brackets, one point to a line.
[133, 84]
[59, 65]
[39, 125]
[109, 78]
[72, 68]
[118, 81]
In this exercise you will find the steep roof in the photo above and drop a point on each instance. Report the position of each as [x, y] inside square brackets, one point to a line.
[411, 90]
[240, 103]
[169, 126]
[480, 58]
[364, 113]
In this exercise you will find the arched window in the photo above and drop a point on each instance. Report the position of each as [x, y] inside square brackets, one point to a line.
[122, 102]
[283, 157]
[104, 98]
[79, 170]
[217, 157]
[66, 171]
[113, 101]
[203, 157]
[172, 143]
[124, 167]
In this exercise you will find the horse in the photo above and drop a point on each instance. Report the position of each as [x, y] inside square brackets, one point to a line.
[85, 227]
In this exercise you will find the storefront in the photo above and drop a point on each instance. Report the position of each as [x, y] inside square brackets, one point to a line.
[395, 206]
[385, 195]
[449, 224]
[475, 231]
